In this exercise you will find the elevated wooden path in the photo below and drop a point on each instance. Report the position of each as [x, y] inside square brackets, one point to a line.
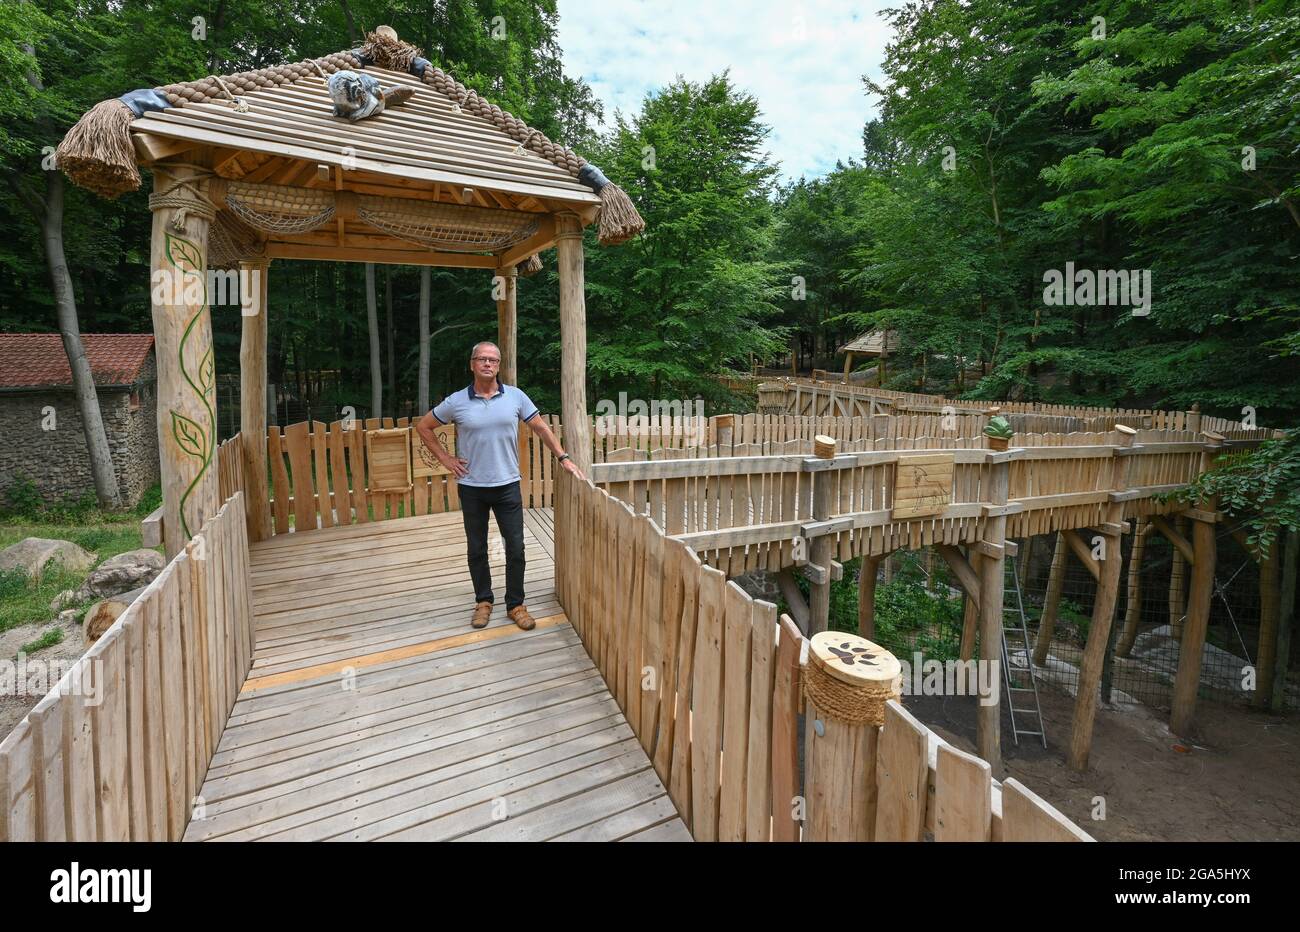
[373, 710]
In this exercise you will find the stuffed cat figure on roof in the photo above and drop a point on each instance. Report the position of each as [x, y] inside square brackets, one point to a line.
[357, 96]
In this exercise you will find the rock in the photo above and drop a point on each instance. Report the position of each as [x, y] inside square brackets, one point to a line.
[101, 615]
[34, 554]
[62, 600]
[121, 573]
[68, 617]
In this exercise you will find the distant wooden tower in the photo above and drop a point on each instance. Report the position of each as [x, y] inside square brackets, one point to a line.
[878, 343]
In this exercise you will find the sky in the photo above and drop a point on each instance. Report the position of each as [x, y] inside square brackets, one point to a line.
[803, 61]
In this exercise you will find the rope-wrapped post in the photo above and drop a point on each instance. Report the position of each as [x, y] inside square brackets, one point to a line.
[182, 327]
[846, 682]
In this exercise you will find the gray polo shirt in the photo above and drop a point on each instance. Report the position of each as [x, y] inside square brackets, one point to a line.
[487, 434]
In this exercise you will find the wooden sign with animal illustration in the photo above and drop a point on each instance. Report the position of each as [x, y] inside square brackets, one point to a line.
[389, 455]
[422, 460]
[922, 485]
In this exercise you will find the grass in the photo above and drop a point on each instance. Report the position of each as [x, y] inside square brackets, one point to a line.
[104, 533]
[48, 639]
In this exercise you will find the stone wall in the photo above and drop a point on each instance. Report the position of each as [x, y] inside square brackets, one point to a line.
[57, 461]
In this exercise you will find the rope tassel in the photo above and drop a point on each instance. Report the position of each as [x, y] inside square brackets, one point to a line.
[619, 220]
[97, 152]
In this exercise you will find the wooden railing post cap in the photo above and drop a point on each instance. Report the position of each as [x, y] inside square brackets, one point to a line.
[849, 679]
[824, 447]
[1213, 439]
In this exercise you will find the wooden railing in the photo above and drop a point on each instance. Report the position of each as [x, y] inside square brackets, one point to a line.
[821, 398]
[710, 682]
[118, 749]
[748, 513]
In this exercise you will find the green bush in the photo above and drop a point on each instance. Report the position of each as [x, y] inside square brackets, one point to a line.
[48, 639]
[21, 499]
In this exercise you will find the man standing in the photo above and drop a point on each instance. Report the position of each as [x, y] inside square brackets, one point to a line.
[486, 414]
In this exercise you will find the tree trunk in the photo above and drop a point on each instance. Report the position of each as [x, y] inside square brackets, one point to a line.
[83, 383]
[426, 275]
[376, 371]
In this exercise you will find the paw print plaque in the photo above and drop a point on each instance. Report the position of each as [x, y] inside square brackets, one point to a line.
[853, 659]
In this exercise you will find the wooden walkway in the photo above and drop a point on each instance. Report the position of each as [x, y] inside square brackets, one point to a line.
[373, 710]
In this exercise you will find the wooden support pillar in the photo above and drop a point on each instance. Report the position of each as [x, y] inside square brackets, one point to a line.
[1191, 647]
[1270, 605]
[1103, 612]
[1133, 604]
[970, 615]
[867, 596]
[1177, 579]
[1286, 613]
[840, 753]
[848, 366]
[252, 397]
[819, 593]
[573, 341]
[182, 327]
[793, 598]
[988, 723]
[507, 324]
[1051, 601]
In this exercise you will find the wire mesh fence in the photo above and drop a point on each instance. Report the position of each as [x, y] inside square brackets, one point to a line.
[919, 613]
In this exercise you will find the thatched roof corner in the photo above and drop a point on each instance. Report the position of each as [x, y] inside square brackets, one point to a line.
[98, 153]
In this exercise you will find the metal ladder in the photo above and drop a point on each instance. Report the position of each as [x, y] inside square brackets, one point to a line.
[1019, 681]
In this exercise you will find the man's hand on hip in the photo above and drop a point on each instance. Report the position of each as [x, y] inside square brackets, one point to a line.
[459, 466]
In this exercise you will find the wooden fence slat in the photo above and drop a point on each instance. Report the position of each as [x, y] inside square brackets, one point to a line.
[279, 479]
[78, 762]
[738, 623]
[963, 796]
[706, 706]
[1028, 817]
[785, 732]
[17, 786]
[680, 782]
[47, 758]
[758, 765]
[901, 776]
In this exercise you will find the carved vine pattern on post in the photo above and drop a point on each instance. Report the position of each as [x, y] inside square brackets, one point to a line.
[189, 434]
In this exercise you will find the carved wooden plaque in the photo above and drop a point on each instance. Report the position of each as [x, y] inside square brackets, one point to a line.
[922, 485]
[422, 461]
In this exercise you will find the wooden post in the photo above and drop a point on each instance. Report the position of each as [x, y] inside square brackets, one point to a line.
[1190, 649]
[1270, 606]
[725, 433]
[840, 753]
[848, 366]
[1103, 611]
[819, 594]
[182, 327]
[1286, 614]
[1177, 583]
[1133, 604]
[507, 327]
[988, 723]
[252, 397]
[573, 341]
[867, 596]
[1051, 601]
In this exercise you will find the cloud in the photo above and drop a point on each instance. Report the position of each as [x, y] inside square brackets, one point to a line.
[804, 63]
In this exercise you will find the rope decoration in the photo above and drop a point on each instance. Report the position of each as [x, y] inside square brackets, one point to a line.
[447, 226]
[845, 702]
[184, 196]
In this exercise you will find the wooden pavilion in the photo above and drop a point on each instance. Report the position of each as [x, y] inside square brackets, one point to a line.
[255, 166]
[877, 343]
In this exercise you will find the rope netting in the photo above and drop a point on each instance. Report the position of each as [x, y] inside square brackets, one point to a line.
[451, 227]
[280, 208]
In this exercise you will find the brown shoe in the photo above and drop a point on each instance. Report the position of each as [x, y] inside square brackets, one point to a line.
[519, 615]
[482, 612]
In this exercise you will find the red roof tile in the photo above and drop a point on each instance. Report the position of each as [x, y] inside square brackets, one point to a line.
[37, 359]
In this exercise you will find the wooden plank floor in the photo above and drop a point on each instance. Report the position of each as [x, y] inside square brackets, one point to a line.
[373, 711]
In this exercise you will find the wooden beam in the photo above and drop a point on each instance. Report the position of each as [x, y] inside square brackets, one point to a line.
[1051, 601]
[1103, 616]
[794, 598]
[151, 148]
[151, 528]
[1188, 678]
[966, 574]
[544, 238]
[252, 398]
[453, 260]
[867, 595]
[573, 341]
[1178, 540]
[1082, 551]
[988, 723]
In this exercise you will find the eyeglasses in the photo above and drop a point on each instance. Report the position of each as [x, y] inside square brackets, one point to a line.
[491, 359]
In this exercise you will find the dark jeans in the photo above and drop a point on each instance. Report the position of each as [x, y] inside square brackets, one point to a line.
[508, 504]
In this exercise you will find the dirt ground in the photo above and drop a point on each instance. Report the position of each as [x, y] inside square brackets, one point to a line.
[1236, 782]
[73, 645]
